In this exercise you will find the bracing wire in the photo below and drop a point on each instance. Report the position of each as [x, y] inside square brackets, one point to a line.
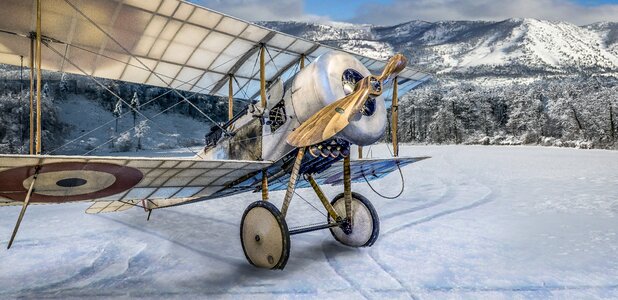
[271, 59]
[111, 139]
[114, 94]
[106, 123]
[143, 64]
[403, 181]
[201, 89]
[297, 194]
[238, 84]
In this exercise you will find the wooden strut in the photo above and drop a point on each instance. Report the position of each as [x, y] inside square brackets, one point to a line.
[360, 152]
[230, 99]
[347, 188]
[262, 76]
[318, 191]
[302, 61]
[23, 207]
[31, 96]
[264, 185]
[292, 183]
[395, 115]
[38, 77]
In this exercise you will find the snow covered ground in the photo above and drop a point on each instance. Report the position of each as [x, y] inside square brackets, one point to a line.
[473, 222]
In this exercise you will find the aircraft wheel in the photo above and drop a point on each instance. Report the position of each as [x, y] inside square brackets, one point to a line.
[365, 222]
[264, 236]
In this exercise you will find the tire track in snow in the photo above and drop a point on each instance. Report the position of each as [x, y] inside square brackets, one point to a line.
[104, 259]
[484, 200]
[210, 254]
[388, 270]
[451, 193]
[336, 268]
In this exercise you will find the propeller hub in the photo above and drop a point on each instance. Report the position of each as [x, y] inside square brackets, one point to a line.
[375, 86]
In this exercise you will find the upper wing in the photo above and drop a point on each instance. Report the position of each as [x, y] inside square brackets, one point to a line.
[79, 178]
[167, 43]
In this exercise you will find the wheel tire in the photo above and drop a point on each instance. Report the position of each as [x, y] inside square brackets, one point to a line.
[365, 222]
[264, 236]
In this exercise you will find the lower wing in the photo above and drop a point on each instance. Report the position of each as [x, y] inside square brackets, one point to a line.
[62, 179]
[361, 170]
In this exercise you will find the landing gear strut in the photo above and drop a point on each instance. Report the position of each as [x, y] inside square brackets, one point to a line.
[366, 226]
[265, 236]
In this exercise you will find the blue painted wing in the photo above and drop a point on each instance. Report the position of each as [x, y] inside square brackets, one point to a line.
[372, 169]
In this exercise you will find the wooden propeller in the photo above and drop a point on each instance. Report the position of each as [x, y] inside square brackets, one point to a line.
[333, 118]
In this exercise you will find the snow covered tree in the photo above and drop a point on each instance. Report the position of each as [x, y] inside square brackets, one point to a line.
[140, 130]
[124, 142]
[135, 108]
[526, 117]
[112, 136]
[118, 112]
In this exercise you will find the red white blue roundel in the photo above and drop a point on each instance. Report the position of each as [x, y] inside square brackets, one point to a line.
[68, 181]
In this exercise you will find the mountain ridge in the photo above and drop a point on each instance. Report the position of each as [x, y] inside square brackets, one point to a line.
[528, 47]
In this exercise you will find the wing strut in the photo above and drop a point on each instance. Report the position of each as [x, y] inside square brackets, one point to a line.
[395, 116]
[262, 77]
[23, 208]
[31, 96]
[38, 78]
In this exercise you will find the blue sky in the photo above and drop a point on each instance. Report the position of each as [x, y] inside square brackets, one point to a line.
[597, 2]
[389, 12]
[345, 10]
[338, 10]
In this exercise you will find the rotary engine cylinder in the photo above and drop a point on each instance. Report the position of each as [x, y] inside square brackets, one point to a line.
[329, 78]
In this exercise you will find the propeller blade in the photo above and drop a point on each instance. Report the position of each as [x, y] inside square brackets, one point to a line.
[394, 66]
[331, 119]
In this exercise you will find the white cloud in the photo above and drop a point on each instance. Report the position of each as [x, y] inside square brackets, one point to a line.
[262, 10]
[435, 10]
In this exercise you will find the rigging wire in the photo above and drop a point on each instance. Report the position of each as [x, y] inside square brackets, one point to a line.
[297, 194]
[111, 139]
[140, 67]
[403, 182]
[238, 83]
[246, 86]
[114, 94]
[201, 89]
[142, 63]
[271, 59]
[114, 119]
[257, 57]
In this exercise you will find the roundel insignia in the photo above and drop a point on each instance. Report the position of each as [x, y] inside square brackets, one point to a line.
[68, 181]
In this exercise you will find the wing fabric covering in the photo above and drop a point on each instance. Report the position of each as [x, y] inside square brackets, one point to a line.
[73, 178]
[361, 170]
[166, 43]
[111, 206]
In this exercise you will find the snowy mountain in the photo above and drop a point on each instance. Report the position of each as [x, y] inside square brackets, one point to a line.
[513, 47]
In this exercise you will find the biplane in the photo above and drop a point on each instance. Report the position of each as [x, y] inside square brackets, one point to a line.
[297, 131]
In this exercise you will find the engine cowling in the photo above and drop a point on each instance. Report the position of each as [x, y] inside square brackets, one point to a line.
[329, 78]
